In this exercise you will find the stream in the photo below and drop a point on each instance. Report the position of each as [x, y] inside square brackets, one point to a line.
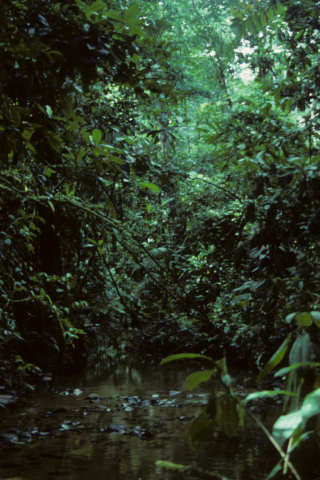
[116, 424]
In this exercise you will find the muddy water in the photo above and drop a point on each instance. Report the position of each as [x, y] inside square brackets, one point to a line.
[133, 417]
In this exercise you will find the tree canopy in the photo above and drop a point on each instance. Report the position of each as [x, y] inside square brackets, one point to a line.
[159, 177]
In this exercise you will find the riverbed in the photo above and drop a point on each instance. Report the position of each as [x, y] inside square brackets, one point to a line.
[115, 424]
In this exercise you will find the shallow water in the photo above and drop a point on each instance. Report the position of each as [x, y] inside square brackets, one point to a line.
[140, 417]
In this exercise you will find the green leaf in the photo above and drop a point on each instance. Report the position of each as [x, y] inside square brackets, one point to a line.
[245, 297]
[153, 187]
[183, 356]
[96, 6]
[284, 371]
[136, 30]
[304, 319]
[227, 414]
[130, 140]
[222, 364]
[49, 110]
[116, 160]
[275, 470]
[51, 205]
[92, 241]
[311, 405]
[81, 154]
[267, 393]
[316, 318]
[227, 380]
[196, 378]
[200, 428]
[299, 35]
[113, 15]
[275, 359]
[290, 317]
[131, 14]
[27, 134]
[96, 135]
[286, 426]
[41, 108]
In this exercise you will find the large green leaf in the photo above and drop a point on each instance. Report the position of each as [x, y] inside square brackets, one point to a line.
[286, 426]
[153, 187]
[311, 405]
[130, 15]
[290, 317]
[304, 319]
[267, 393]
[200, 428]
[316, 318]
[275, 359]
[275, 470]
[183, 356]
[196, 378]
[284, 371]
[136, 30]
[96, 135]
[227, 414]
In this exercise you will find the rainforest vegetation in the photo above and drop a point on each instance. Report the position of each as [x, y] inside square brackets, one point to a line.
[160, 189]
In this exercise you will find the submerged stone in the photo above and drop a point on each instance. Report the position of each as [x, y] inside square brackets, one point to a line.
[7, 400]
[93, 396]
[116, 428]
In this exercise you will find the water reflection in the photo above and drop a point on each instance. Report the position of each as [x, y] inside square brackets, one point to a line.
[109, 437]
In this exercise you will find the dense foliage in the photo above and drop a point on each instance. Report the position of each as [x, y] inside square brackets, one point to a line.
[150, 190]
[160, 187]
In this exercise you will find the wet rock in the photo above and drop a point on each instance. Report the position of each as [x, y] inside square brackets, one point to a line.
[167, 403]
[188, 397]
[145, 403]
[174, 392]
[60, 410]
[146, 434]
[8, 437]
[134, 401]
[7, 400]
[93, 397]
[65, 425]
[77, 391]
[116, 428]
[47, 379]
[103, 408]
[155, 396]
